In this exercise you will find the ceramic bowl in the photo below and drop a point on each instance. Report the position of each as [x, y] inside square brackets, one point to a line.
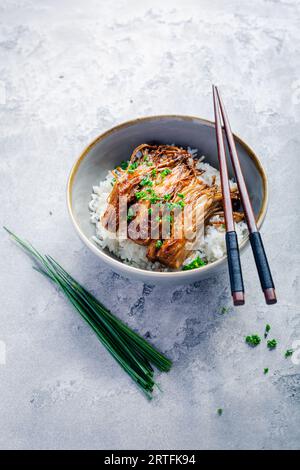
[115, 145]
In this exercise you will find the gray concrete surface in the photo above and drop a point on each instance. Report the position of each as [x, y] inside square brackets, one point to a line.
[70, 69]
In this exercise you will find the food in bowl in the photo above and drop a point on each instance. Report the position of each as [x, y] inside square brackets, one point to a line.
[162, 210]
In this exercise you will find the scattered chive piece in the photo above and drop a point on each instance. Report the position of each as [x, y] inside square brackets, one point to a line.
[181, 204]
[266, 370]
[150, 211]
[167, 197]
[153, 199]
[267, 329]
[149, 163]
[272, 343]
[196, 263]
[224, 310]
[157, 218]
[146, 157]
[158, 244]
[288, 352]
[253, 340]
[165, 172]
[124, 165]
[169, 218]
[140, 195]
[132, 167]
[220, 411]
[180, 195]
[130, 214]
[153, 172]
[133, 353]
[146, 182]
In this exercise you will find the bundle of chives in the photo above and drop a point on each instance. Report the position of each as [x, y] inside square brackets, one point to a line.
[134, 354]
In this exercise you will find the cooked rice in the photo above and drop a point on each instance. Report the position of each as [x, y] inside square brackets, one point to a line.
[212, 247]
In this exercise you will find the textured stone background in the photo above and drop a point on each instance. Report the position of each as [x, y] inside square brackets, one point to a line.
[70, 69]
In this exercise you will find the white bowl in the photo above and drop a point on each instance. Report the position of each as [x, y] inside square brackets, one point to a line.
[115, 145]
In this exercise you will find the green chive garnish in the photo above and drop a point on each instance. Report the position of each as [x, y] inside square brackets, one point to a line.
[253, 340]
[267, 329]
[132, 167]
[130, 214]
[146, 182]
[272, 343]
[124, 165]
[133, 353]
[288, 353]
[165, 172]
[196, 263]
[141, 195]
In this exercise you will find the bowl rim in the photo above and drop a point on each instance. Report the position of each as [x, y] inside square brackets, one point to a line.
[119, 264]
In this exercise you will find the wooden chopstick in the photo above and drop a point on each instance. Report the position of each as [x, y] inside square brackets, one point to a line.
[233, 256]
[260, 257]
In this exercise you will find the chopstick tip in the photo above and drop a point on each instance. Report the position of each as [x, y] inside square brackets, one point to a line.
[238, 298]
[270, 296]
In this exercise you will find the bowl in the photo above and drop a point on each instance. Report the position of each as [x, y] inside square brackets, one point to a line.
[117, 144]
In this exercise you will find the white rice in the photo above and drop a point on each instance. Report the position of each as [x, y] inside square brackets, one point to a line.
[212, 247]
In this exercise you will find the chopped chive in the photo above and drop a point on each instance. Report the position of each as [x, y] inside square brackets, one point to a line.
[267, 329]
[130, 214]
[153, 172]
[224, 310]
[272, 343]
[146, 182]
[154, 198]
[253, 340]
[165, 172]
[220, 411]
[169, 218]
[196, 263]
[150, 211]
[141, 195]
[180, 195]
[167, 197]
[132, 167]
[158, 244]
[288, 353]
[123, 165]
[266, 370]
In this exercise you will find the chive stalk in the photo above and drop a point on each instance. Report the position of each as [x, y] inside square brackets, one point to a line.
[133, 353]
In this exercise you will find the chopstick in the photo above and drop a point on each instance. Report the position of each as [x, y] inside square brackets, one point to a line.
[233, 255]
[260, 256]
